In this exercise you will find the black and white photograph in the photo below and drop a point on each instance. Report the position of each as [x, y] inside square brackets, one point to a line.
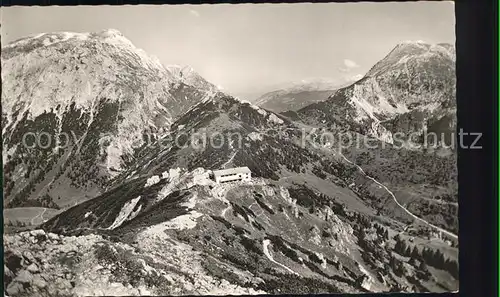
[248, 149]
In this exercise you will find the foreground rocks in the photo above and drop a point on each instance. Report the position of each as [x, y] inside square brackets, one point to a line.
[46, 264]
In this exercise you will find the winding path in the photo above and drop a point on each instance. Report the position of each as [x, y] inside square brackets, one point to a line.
[230, 159]
[40, 215]
[452, 235]
[443, 231]
[265, 245]
[223, 213]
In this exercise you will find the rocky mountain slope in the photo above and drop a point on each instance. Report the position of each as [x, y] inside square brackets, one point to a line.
[75, 107]
[299, 218]
[253, 237]
[313, 219]
[411, 89]
[224, 132]
[402, 100]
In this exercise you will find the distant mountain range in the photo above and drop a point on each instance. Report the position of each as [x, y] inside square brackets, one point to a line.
[298, 95]
[139, 214]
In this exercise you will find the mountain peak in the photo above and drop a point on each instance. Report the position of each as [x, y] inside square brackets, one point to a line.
[411, 46]
[110, 32]
[110, 36]
[411, 50]
[189, 76]
[182, 71]
[413, 42]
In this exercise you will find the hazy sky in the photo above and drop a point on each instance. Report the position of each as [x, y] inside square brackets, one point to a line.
[243, 46]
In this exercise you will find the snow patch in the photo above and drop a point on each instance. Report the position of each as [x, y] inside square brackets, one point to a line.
[168, 189]
[152, 181]
[135, 213]
[125, 213]
[174, 173]
[183, 222]
[274, 119]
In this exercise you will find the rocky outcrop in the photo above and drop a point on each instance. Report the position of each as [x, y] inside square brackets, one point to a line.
[45, 264]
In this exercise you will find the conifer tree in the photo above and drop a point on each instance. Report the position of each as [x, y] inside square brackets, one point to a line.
[407, 251]
[415, 254]
[422, 266]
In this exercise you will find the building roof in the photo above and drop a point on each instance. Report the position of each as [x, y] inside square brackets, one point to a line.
[232, 171]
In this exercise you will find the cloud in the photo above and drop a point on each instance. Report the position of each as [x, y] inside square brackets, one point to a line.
[357, 77]
[350, 64]
[194, 12]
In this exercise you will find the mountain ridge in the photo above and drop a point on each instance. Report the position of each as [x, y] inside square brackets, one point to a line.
[386, 91]
[94, 95]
